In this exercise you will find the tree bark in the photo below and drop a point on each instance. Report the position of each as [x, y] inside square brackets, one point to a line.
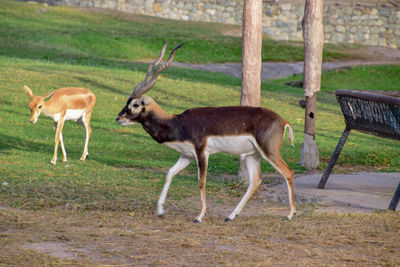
[313, 34]
[251, 52]
[251, 62]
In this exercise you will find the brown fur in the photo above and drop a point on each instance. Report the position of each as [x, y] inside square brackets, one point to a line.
[257, 132]
[61, 100]
[198, 124]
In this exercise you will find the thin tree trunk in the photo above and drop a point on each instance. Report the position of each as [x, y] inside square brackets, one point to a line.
[313, 33]
[251, 52]
[251, 62]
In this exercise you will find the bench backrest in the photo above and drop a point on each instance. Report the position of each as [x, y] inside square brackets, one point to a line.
[371, 113]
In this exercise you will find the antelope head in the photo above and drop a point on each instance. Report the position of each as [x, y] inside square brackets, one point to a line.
[36, 104]
[138, 104]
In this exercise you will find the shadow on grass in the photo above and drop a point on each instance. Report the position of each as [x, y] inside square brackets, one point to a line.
[8, 142]
[175, 73]
[101, 86]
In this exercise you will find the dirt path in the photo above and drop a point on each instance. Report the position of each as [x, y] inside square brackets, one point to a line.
[272, 70]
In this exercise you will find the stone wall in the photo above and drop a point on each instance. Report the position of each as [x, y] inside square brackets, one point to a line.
[351, 24]
[364, 25]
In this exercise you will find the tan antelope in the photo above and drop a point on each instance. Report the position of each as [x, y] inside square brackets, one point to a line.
[64, 104]
[251, 132]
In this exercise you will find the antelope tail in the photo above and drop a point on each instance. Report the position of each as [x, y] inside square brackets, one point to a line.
[291, 136]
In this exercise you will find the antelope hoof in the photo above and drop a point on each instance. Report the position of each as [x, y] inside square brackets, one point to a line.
[287, 218]
[84, 157]
[160, 211]
[161, 216]
[230, 218]
[53, 162]
[196, 221]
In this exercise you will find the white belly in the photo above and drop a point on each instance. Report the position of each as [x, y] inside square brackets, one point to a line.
[185, 148]
[71, 114]
[234, 145]
[74, 114]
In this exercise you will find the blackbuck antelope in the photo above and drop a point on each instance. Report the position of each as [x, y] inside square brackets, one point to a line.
[64, 104]
[251, 132]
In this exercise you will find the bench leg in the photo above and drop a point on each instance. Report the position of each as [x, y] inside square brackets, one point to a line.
[395, 199]
[334, 158]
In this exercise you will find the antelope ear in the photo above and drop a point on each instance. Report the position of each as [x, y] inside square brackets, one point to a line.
[145, 100]
[49, 95]
[28, 91]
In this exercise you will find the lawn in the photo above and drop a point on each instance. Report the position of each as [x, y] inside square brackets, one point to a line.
[103, 210]
[92, 36]
[374, 78]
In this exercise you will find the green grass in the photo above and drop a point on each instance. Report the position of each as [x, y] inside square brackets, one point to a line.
[126, 168]
[87, 36]
[383, 77]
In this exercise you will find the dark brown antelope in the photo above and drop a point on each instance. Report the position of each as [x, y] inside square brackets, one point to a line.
[251, 132]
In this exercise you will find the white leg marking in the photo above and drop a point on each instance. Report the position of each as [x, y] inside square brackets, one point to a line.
[199, 218]
[252, 164]
[290, 192]
[63, 148]
[60, 125]
[182, 163]
[291, 200]
[85, 149]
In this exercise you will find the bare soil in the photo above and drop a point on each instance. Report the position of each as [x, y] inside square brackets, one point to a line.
[318, 235]
[101, 238]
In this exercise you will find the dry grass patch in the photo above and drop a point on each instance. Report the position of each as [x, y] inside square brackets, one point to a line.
[122, 238]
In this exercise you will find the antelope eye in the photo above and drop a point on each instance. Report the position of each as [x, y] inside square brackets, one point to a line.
[135, 105]
[40, 106]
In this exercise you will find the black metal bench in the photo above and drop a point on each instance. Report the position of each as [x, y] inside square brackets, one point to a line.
[368, 113]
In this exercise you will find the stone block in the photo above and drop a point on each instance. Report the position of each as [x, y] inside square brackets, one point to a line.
[286, 7]
[340, 28]
[270, 32]
[382, 42]
[353, 29]
[349, 38]
[366, 11]
[359, 37]
[337, 37]
[148, 5]
[374, 30]
[211, 11]
[356, 18]
[365, 30]
[281, 24]
[309, 154]
[157, 8]
[374, 12]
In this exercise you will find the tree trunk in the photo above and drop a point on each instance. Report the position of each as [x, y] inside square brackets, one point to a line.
[251, 62]
[251, 52]
[313, 34]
